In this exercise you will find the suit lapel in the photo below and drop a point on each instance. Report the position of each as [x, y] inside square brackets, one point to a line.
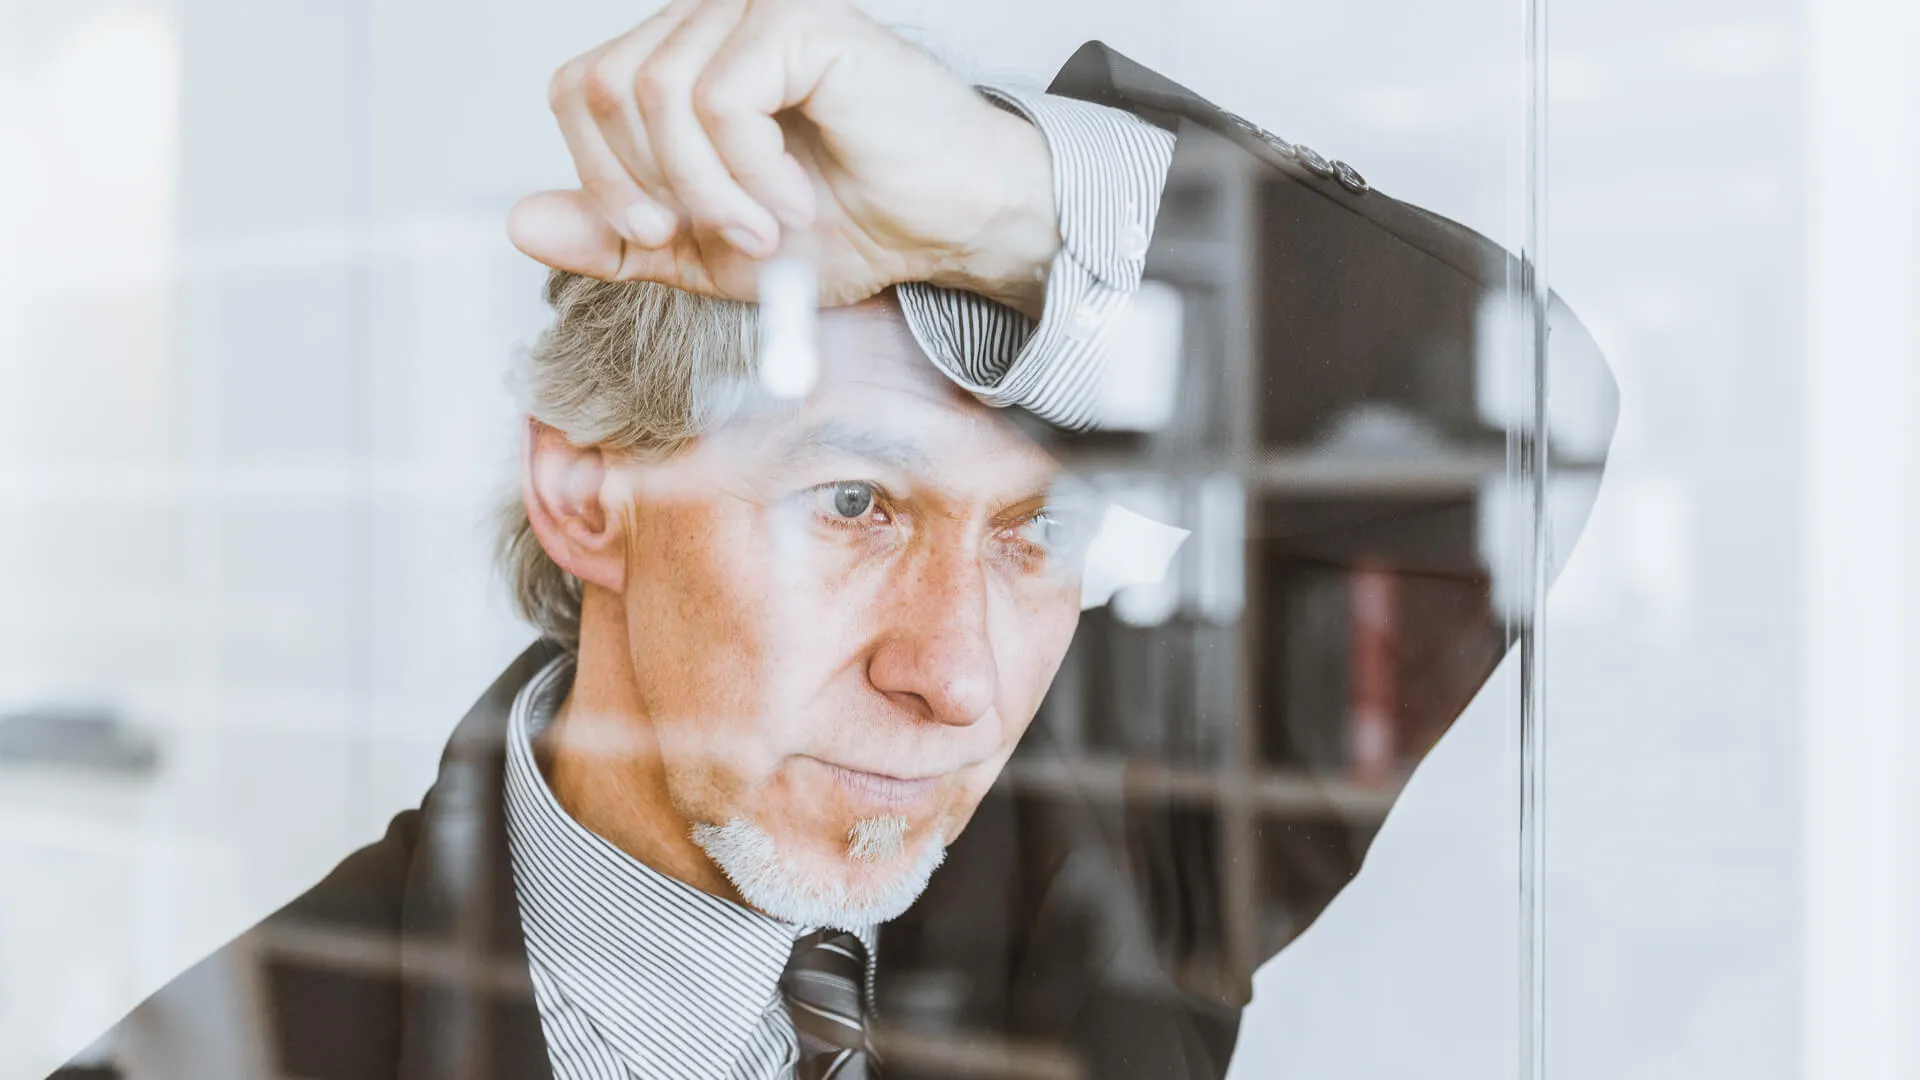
[467, 1009]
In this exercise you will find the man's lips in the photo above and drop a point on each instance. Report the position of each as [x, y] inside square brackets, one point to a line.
[881, 789]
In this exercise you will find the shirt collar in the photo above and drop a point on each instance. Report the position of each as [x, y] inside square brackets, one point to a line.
[670, 974]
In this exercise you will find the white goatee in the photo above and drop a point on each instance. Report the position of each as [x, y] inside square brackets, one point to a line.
[877, 839]
[770, 881]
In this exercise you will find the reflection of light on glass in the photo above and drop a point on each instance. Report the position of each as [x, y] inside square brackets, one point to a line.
[1139, 383]
[1503, 504]
[789, 366]
[788, 615]
[1128, 559]
[789, 300]
[1580, 411]
[1500, 382]
[1220, 573]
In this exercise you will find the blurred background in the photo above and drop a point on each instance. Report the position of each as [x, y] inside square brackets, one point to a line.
[257, 312]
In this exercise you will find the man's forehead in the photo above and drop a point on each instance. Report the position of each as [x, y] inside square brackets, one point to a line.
[880, 399]
[851, 438]
[870, 344]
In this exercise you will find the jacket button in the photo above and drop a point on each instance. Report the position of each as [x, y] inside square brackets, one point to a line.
[1314, 163]
[1274, 142]
[1350, 178]
[1240, 122]
[1277, 144]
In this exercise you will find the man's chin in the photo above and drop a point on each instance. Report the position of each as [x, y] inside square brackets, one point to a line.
[874, 877]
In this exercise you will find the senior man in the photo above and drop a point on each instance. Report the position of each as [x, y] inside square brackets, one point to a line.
[698, 830]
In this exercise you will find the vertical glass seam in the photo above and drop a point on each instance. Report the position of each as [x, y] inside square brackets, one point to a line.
[1537, 300]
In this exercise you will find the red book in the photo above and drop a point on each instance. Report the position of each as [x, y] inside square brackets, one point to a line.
[1373, 729]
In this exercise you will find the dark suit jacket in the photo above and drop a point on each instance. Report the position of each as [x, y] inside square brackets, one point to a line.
[1026, 957]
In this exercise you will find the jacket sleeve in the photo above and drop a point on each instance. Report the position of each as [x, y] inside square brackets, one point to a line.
[311, 991]
[1368, 354]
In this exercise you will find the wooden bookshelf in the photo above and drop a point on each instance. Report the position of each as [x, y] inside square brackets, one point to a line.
[1454, 473]
[1291, 795]
[1188, 733]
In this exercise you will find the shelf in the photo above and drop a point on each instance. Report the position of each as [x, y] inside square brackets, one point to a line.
[1292, 795]
[1453, 474]
[370, 954]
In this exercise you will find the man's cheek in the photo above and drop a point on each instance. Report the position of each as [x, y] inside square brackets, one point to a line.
[1065, 622]
[1035, 660]
[726, 759]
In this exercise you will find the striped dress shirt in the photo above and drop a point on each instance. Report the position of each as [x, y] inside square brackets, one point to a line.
[1109, 168]
[635, 974]
[639, 976]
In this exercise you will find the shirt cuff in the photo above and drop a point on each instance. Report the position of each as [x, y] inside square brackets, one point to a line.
[1109, 168]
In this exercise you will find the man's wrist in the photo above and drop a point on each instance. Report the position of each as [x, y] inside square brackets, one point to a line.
[1008, 256]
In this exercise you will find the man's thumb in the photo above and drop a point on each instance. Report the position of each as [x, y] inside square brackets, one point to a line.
[564, 229]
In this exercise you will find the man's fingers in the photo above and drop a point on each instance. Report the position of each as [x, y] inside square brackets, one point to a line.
[592, 98]
[606, 94]
[628, 210]
[748, 83]
[567, 231]
[692, 166]
[618, 122]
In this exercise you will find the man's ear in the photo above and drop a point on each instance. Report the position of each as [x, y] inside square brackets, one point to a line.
[563, 486]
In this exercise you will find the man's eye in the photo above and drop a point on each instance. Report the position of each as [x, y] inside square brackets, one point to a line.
[1051, 530]
[846, 499]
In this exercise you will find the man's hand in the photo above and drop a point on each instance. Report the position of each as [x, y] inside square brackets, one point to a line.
[719, 132]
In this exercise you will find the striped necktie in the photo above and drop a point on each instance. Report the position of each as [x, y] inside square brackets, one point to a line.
[822, 985]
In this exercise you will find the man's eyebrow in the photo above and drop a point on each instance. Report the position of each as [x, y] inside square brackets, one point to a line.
[836, 436]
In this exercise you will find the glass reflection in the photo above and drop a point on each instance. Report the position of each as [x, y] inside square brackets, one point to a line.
[983, 678]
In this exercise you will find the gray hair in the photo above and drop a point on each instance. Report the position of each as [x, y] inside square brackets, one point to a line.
[635, 369]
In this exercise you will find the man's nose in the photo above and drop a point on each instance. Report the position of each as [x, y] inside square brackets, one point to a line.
[934, 654]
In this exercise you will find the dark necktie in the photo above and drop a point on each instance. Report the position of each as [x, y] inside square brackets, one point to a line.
[822, 985]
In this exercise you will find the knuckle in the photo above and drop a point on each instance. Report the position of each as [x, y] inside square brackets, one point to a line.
[602, 92]
[717, 100]
[657, 87]
[562, 87]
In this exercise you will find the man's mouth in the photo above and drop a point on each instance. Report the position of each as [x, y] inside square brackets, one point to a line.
[882, 791]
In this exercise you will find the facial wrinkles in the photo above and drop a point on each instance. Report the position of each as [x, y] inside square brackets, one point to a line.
[846, 720]
[696, 646]
[781, 620]
[775, 618]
